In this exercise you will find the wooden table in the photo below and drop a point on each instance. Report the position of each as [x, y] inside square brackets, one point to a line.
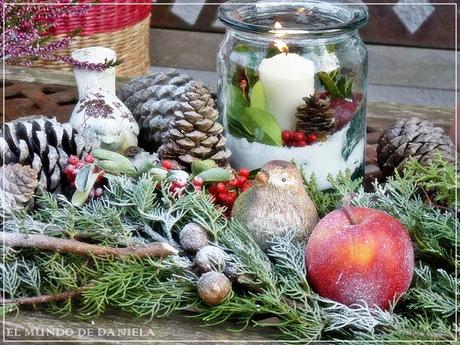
[53, 93]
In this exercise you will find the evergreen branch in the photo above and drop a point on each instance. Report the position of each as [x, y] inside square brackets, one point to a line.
[44, 298]
[434, 292]
[61, 245]
[438, 178]
[326, 201]
[144, 287]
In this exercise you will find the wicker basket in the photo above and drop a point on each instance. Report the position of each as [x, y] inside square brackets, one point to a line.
[122, 27]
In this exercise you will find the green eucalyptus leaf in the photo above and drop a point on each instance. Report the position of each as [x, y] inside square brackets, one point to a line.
[81, 180]
[79, 198]
[263, 125]
[143, 166]
[177, 175]
[198, 166]
[215, 175]
[158, 174]
[257, 96]
[118, 167]
[114, 163]
[84, 183]
[107, 155]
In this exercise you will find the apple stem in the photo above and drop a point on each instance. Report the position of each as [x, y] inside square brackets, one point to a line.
[347, 212]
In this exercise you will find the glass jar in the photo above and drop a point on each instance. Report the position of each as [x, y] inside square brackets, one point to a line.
[292, 85]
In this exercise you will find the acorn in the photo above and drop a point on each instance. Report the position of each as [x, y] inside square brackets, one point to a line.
[231, 271]
[211, 258]
[193, 237]
[213, 287]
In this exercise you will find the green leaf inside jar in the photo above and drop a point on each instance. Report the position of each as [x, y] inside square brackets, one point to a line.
[252, 121]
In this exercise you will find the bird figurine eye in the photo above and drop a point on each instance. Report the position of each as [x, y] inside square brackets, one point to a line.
[283, 179]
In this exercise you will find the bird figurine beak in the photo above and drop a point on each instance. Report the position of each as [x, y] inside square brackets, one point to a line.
[262, 177]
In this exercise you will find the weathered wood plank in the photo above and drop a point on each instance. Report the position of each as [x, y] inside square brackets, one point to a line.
[123, 328]
[381, 115]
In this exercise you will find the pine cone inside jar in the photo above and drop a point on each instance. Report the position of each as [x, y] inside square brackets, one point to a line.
[153, 100]
[42, 143]
[316, 115]
[414, 138]
[195, 133]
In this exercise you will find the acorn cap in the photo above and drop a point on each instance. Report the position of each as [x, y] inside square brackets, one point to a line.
[193, 237]
[211, 258]
[213, 287]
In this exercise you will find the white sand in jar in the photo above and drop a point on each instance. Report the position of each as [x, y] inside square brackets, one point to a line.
[321, 158]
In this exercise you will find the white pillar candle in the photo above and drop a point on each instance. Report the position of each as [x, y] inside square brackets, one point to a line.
[287, 79]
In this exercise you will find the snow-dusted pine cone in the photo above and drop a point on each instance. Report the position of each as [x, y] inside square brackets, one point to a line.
[44, 144]
[415, 138]
[153, 101]
[195, 133]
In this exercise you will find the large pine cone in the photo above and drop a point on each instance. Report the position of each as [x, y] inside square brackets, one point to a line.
[414, 138]
[153, 101]
[316, 116]
[195, 132]
[44, 144]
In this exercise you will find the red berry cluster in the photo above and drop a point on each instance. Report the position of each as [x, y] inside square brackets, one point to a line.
[225, 193]
[179, 185]
[167, 165]
[298, 139]
[74, 165]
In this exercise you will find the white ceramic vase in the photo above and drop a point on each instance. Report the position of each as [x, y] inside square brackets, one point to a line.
[99, 115]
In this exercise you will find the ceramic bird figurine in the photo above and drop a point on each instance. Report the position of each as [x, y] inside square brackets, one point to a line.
[276, 204]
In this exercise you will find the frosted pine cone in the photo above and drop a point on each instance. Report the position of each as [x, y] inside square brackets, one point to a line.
[413, 138]
[153, 101]
[195, 132]
[44, 144]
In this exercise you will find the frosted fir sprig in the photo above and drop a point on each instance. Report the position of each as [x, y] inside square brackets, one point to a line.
[26, 35]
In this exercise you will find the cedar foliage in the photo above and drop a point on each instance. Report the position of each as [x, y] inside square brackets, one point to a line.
[274, 292]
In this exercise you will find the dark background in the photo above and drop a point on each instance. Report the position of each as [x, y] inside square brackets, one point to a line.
[433, 25]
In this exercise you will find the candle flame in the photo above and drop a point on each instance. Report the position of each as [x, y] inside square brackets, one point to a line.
[282, 46]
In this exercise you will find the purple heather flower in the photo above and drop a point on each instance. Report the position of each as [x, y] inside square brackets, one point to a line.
[26, 37]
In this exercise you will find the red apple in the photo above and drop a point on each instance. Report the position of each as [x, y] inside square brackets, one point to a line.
[358, 253]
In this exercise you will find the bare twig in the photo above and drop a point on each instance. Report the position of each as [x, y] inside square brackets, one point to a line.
[44, 298]
[61, 245]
